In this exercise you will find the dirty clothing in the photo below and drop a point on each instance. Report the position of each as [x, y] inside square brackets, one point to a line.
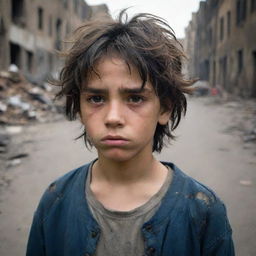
[120, 230]
[191, 221]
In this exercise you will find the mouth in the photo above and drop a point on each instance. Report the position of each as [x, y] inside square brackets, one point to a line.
[114, 140]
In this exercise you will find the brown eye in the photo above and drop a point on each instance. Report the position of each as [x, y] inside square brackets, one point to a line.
[97, 99]
[135, 99]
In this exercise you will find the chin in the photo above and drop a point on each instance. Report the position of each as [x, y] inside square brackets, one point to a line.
[118, 155]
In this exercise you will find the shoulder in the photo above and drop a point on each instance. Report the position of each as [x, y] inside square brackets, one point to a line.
[205, 208]
[203, 211]
[59, 189]
[190, 188]
[199, 201]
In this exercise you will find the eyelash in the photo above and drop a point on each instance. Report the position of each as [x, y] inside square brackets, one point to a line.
[132, 97]
[98, 99]
[91, 99]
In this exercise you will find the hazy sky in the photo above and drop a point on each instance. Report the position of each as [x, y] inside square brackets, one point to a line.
[176, 12]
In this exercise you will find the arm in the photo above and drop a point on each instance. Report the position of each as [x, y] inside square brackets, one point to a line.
[35, 246]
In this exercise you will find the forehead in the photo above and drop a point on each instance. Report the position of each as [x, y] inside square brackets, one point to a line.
[113, 69]
[112, 72]
[107, 66]
[107, 63]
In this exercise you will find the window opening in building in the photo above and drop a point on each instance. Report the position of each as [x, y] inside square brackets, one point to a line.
[253, 5]
[17, 12]
[50, 62]
[221, 28]
[214, 73]
[244, 9]
[58, 34]
[238, 7]
[65, 3]
[67, 29]
[223, 71]
[240, 60]
[58, 28]
[40, 13]
[241, 9]
[210, 36]
[15, 54]
[84, 12]
[228, 23]
[204, 71]
[75, 5]
[207, 70]
[29, 61]
[50, 26]
[2, 26]
[254, 74]
[40, 59]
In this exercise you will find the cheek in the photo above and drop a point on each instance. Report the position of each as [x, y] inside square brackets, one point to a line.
[145, 125]
[86, 113]
[84, 109]
[148, 116]
[88, 122]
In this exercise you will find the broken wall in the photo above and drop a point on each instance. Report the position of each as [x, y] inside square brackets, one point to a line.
[34, 30]
[225, 45]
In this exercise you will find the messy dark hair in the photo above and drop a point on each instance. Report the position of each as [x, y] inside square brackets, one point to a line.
[146, 42]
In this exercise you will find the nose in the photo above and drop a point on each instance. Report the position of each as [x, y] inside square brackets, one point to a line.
[114, 115]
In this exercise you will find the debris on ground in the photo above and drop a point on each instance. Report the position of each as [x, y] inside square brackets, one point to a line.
[18, 156]
[247, 183]
[13, 129]
[13, 163]
[4, 141]
[242, 111]
[23, 103]
[250, 136]
[243, 119]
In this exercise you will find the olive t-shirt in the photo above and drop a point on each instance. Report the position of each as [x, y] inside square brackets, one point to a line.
[121, 230]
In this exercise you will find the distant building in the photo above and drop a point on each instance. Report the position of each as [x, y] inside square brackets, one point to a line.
[101, 9]
[221, 45]
[31, 31]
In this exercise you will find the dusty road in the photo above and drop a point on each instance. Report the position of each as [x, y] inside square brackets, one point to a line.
[208, 148]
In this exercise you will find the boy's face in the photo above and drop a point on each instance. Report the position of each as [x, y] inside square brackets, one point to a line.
[120, 119]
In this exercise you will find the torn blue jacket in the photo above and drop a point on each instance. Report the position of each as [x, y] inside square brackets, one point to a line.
[191, 221]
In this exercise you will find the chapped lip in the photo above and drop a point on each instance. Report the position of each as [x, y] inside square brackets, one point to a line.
[113, 137]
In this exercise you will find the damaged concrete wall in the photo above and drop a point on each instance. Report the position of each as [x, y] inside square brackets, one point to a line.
[99, 10]
[189, 67]
[32, 30]
[224, 45]
[4, 33]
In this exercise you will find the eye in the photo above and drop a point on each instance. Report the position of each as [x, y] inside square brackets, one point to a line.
[135, 99]
[96, 99]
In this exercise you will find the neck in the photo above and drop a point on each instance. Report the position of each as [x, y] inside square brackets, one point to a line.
[125, 172]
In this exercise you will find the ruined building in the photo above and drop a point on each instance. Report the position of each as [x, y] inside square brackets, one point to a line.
[221, 45]
[31, 31]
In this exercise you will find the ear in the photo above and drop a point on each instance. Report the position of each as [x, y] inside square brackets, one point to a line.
[164, 117]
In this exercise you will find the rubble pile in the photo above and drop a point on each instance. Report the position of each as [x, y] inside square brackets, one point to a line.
[22, 102]
[243, 121]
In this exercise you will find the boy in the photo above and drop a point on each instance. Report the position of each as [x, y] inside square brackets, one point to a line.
[123, 79]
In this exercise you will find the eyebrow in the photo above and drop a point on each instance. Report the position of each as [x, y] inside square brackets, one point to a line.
[122, 90]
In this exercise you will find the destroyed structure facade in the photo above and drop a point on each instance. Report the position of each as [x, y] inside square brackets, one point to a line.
[220, 42]
[32, 30]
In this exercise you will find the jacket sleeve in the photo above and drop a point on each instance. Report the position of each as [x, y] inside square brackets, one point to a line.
[35, 246]
[217, 237]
